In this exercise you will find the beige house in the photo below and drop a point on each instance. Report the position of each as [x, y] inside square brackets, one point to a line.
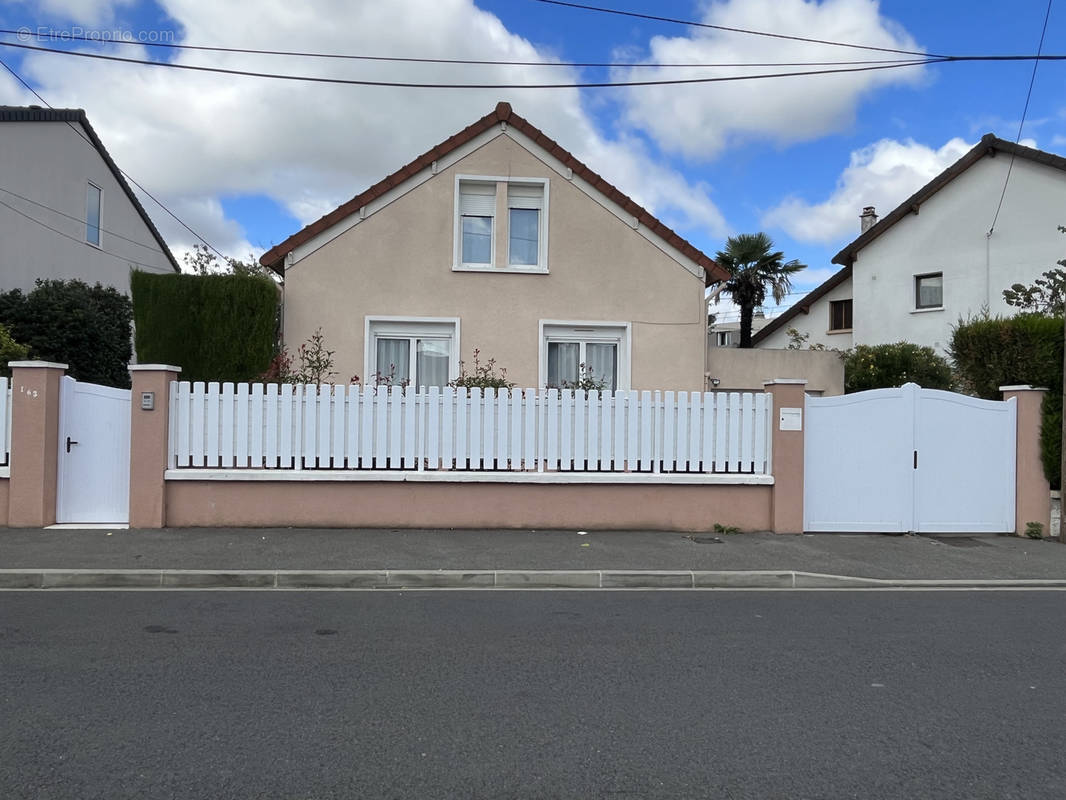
[498, 240]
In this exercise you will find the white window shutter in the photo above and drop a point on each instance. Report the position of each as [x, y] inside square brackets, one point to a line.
[477, 199]
[525, 196]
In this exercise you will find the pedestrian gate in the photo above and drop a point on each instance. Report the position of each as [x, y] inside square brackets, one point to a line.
[93, 480]
[909, 459]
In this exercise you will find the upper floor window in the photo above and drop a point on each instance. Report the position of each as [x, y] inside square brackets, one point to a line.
[723, 338]
[525, 204]
[929, 290]
[477, 213]
[92, 214]
[840, 315]
[523, 226]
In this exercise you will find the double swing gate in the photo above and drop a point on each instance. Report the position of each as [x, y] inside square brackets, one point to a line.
[909, 460]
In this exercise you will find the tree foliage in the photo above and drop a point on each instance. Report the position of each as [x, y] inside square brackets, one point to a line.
[70, 322]
[755, 269]
[1045, 295]
[883, 366]
[990, 352]
[215, 327]
[10, 350]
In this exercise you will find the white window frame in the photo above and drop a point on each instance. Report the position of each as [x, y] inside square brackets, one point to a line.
[409, 328]
[100, 215]
[723, 338]
[598, 332]
[917, 309]
[501, 227]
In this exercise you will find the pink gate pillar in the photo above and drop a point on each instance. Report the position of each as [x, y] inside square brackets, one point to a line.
[786, 428]
[149, 429]
[1033, 493]
[34, 443]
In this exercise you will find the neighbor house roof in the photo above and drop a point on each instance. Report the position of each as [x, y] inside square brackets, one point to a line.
[72, 115]
[802, 306]
[274, 257]
[989, 145]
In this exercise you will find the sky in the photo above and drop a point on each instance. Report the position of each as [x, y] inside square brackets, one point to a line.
[246, 162]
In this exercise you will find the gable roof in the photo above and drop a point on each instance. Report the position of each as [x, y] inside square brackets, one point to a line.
[803, 305]
[274, 258]
[77, 115]
[988, 146]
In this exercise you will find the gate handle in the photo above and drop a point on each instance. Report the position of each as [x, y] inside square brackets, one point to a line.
[69, 443]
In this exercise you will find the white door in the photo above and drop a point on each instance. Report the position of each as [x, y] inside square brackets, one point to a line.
[909, 459]
[93, 481]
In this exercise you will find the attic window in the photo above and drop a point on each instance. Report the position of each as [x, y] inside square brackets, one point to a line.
[92, 214]
[840, 315]
[929, 291]
[488, 208]
[477, 213]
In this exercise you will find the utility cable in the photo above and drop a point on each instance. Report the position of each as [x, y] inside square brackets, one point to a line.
[1021, 124]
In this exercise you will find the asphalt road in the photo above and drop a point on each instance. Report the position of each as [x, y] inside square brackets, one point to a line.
[532, 695]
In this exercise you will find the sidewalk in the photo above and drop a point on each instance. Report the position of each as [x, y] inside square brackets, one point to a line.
[478, 555]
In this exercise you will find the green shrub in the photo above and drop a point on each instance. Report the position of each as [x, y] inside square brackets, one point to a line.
[884, 366]
[10, 350]
[85, 327]
[990, 352]
[484, 375]
[215, 327]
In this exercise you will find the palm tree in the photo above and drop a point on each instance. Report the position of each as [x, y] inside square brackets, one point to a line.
[754, 267]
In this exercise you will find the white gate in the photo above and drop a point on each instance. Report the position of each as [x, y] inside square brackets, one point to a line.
[93, 480]
[909, 459]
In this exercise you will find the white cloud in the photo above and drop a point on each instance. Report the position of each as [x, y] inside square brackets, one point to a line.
[884, 174]
[310, 146]
[82, 12]
[701, 120]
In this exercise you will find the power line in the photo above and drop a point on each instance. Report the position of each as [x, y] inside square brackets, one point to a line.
[75, 238]
[655, 18]
[408, 85]
[1021, 123]
[462, 61]
[125, 175]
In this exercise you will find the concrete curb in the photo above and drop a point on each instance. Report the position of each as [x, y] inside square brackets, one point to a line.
[479, 579]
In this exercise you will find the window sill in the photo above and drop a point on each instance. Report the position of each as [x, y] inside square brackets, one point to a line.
[835, 331]
[511, 270]
[926, 310]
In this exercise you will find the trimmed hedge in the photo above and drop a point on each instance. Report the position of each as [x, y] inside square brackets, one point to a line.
[85, 327]
[215, 327]
[885, 366]
[990, 352]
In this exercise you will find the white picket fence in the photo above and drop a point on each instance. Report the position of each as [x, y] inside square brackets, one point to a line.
[266, 426]
[5, 421]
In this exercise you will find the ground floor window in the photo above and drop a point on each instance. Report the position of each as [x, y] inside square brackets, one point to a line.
[415, 352]
[585, 355]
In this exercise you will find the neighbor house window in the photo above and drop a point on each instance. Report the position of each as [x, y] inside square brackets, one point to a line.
[590, 354]
[522, 223]
[929, 290]
[724, 338]
[477, 213]
[411, 352]
[840, 315]
[92, 215]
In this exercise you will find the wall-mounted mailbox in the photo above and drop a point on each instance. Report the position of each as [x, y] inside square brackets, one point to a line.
[147, 401]
[791, 419]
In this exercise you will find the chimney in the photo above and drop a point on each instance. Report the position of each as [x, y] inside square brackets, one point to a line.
[868, 218]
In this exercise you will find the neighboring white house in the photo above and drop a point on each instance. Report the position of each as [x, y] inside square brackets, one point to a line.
[65, 209]
[727, 334]
[936, 258]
